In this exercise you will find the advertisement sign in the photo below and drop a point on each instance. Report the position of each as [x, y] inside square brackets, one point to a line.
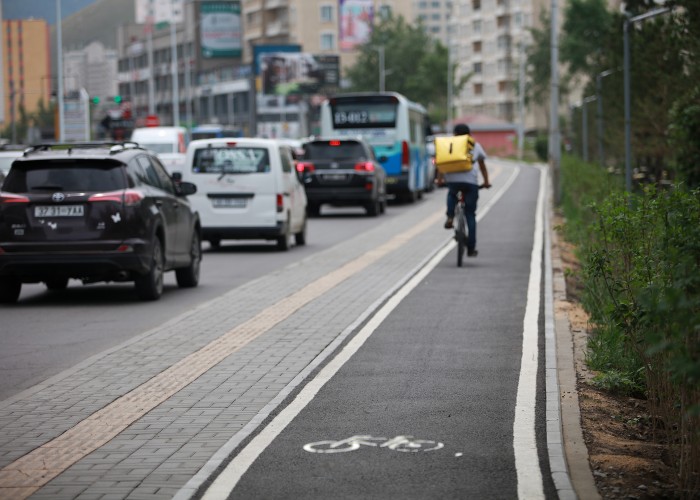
[220, 29]
[355, 23]
[288, 73]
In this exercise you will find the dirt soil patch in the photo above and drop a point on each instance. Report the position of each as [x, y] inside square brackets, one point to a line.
[625, 460]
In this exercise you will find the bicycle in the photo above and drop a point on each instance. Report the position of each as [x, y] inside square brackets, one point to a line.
[460, 227]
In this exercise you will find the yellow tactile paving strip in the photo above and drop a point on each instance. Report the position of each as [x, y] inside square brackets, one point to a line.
[26, 475]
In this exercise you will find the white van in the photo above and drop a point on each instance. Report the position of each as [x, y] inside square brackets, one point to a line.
[169, 143]
[247, 188]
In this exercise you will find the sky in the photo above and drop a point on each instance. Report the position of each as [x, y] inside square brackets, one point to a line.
[41, 9]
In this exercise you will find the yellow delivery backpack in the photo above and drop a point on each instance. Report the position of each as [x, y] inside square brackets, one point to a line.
[454, 154]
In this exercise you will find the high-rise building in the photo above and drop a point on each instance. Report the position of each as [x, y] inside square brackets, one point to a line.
[26, 67]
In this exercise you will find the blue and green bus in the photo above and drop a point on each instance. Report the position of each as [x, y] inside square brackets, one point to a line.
[394, 127]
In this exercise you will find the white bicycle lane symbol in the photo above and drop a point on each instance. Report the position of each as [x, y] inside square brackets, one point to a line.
[398, 443]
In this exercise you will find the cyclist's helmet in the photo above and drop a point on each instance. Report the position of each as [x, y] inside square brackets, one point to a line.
[461, 129]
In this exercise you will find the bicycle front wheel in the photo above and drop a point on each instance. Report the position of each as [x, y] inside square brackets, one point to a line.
[460, 236]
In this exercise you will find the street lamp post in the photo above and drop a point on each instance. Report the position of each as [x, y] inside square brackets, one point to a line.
[554, 148]
[626, 69]
[584, 125]
[599, 95]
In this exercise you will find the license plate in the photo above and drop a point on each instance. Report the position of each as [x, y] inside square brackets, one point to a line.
[335, 177]
[228, 202]
[391, 180]
[59, 211]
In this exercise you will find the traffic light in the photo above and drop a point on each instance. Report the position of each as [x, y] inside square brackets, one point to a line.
[118, 99]
[96, 100]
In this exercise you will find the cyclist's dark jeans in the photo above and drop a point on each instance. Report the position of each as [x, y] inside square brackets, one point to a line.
[471, 195]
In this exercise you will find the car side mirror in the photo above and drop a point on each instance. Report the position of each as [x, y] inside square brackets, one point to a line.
[186, 188]
[383, 159]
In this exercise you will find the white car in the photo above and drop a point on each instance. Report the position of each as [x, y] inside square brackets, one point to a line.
[247, 188]
[7, 156]
[169, 143]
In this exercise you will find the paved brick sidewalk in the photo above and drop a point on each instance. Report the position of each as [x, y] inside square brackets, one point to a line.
[157, 454]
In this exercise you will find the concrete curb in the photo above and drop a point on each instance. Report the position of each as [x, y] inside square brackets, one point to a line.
[575, 449]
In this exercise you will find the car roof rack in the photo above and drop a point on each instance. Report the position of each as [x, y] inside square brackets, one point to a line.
[114, 147]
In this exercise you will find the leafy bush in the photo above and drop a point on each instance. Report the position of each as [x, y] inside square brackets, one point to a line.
[542, 147]
[640, 256]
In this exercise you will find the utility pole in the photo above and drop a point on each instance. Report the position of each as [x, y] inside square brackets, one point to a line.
[521, 102]
[599, 95]
[59, 50]
[175, 74]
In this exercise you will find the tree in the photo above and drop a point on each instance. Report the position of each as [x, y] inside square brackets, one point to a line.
[415, 65]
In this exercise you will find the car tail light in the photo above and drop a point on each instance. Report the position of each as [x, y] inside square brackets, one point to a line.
[231, 144]
[364, 166]
[405, 156]
[369, 186]
[305, 167]
[126, 196]
[280, 203]
[334, 143]
[13, 198]
[125, 248]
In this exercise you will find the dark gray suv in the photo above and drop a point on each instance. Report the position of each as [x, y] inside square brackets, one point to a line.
[95, 212]
[342, 172]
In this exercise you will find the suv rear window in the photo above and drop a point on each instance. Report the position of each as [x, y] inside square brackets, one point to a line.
[231, 160]
[334, 150]
[71, 176]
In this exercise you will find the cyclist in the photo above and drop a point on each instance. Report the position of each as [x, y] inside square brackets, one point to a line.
[468, 183]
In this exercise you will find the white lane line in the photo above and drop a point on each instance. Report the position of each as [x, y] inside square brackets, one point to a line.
[527, 463]
[224, 484]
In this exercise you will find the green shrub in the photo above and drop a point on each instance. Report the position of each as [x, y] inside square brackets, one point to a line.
[542, 147]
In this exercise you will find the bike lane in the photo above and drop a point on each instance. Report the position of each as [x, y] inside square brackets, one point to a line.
[425, 407]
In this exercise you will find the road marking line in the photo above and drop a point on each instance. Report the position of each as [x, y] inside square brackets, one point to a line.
[27, 474]
[226, 481]
[527, 463]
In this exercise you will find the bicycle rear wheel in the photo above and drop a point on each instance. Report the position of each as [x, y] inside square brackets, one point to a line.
[460, 235]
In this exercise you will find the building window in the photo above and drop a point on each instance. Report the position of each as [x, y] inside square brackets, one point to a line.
[327, 41]
[435, 29]
[422, 5]
[476, 26]
[326, 13]
[476, 4]
[435, 5]
[503, 21]
[477, 67]
[503, 86]
[384, 11]
[503, 42]
[478, 88]
[476, 47]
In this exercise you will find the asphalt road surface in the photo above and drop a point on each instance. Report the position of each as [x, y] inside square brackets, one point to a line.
[364, 365]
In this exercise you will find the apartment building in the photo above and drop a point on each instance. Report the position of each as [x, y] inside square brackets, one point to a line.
[26, 69]
[488, 48]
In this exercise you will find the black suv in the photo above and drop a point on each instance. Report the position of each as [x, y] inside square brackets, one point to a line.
[342, 172]
[95, 212]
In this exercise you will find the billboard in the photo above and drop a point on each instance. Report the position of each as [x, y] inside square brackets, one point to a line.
[293, 73]
[220, 28]
[355, 23]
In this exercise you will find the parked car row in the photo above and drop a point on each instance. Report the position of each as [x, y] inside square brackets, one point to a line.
[102, 212]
